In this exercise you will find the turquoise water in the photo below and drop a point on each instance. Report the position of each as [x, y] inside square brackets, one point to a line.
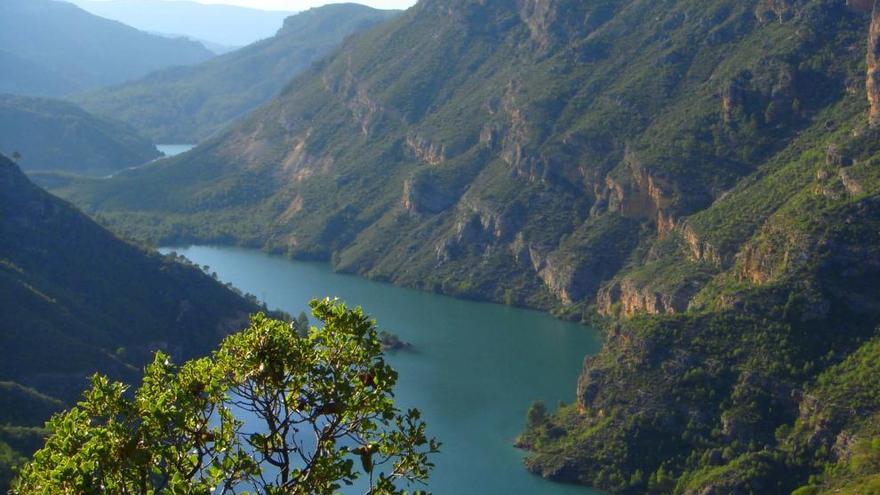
[174, 149]
[476, 368]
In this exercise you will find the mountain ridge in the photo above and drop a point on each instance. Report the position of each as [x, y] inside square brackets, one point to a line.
[53, 135]
[223, 24]
[188, 104]
[66, 49]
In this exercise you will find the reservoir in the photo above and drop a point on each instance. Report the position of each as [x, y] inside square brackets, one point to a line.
[174, 149]
[475, 369]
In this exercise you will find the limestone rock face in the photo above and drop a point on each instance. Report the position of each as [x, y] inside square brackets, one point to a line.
[634, 299]
[538, 15]
[873, 80]
[425, 150]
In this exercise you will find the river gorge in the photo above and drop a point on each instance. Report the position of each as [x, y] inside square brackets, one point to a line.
[473, 371]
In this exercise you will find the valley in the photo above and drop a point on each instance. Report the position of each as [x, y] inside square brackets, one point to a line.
[658, 219]
[474, 369]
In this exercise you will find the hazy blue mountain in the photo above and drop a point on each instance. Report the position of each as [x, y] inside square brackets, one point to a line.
[59, 136]
[22, 75]
[187, 104]
[221, 24]
[51, 48]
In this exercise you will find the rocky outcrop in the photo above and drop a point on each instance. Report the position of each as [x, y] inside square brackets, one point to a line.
[539, 16]
[873, 77]
[640, 196]
[426, 150]
[565, 279]
[700, 250]
[480, 226]
[421, 195]
[299, 164]
[356, 97]
[631, 299]
[512, 137]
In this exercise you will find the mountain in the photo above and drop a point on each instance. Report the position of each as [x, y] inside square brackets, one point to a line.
[187, 104]
[59, 136]
[51, 48]
[77, 300]
[221, 24]
[25, 76]
[698, 177]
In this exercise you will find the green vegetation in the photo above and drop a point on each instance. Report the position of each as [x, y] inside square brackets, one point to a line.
[188, 104]
[51, 135]
[50, 48]
[701, 173]
[77, 300]
[323, 417]
[490, 154]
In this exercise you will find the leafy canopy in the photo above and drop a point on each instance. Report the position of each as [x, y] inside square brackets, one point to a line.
[269, 412]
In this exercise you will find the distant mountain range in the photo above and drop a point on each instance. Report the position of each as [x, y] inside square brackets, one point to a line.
[700, 177]
[52, 48]
[53, 135]
[221, 24]
[188, 104]
[77, 300]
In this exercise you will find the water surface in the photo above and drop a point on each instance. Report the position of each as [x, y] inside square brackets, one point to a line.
[476, 370]
[174, 149]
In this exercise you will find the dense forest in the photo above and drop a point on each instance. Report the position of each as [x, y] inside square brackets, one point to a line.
[78, 300]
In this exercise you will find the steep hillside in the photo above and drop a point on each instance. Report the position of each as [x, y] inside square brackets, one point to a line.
[516, 153]
[187, 104]
[77, 300]
[704, 174]
[58, 136]
[51, 48]
[222, 24]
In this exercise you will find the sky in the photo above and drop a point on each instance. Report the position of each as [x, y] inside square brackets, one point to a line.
[297, 5]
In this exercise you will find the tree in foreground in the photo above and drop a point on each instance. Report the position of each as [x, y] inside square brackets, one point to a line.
[270, 412]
